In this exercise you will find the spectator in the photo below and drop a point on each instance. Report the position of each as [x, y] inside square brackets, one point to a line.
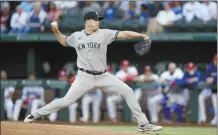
[18, 21]
[8, 94]
[177, 9]
[65, 5]
[92, 6]
[139, 4]
[27, 6]
[44, 5]
[165, 18]
[108, 3]
[4, 4]
[32, 98]
[124, 6]
[131, 13]
[208, 11]
[153, 9]
[53, 14]
[144, 13]
[5, 17]
[192, 10]
[110, 10]
[36, 19]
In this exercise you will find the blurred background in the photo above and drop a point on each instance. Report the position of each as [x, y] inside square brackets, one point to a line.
[174, 83]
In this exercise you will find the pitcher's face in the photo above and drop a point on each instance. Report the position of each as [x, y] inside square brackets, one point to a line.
[92, 24]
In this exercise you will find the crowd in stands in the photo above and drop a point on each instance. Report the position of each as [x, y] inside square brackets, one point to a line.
[169, 94]
[27, 16]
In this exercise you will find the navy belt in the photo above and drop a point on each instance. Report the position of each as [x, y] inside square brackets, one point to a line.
[91, 72]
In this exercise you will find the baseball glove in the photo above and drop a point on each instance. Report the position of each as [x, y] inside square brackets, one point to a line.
[142, 47]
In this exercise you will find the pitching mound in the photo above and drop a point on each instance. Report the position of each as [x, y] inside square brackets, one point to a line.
[20, 128]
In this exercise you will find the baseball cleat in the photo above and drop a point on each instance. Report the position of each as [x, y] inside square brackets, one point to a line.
[29, 119]
[83, 120]
[214, 121]
[149, 127]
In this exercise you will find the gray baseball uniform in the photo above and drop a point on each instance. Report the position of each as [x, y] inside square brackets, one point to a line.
[91, 51]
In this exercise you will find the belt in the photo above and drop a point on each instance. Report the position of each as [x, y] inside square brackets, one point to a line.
[91, 72]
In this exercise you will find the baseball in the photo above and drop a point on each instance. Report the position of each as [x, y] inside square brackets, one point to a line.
[53, 24]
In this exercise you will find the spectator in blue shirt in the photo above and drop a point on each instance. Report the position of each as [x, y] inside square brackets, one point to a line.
[210, 90]
[144, 12]
[36, 19]
[177, 9]
[131, 13]
[27, 6]
[110, 11]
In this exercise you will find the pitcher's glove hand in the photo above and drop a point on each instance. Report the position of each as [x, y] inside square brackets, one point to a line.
[142, 47]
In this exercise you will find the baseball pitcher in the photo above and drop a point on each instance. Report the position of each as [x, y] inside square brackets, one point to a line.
[91, 47]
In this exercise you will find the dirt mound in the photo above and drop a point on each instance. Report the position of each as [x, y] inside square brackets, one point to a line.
[20, 128]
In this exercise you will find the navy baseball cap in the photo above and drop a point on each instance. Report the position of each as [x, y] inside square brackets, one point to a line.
[93, 15]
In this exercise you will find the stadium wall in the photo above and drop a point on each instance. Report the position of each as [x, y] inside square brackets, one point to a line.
[29, 56]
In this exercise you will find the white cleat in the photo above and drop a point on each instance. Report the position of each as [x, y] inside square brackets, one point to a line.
[83, 120]
[214, 121]
[149, 127]
[29, 119]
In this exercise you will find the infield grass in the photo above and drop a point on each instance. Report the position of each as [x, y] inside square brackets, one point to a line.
[167, 130]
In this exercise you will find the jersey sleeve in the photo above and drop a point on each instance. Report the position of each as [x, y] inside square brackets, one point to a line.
[110, 35]
[70, 41]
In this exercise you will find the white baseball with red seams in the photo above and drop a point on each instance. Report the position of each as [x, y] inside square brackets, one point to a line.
[53, 24]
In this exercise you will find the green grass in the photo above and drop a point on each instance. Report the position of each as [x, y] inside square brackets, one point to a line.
[167, 130]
